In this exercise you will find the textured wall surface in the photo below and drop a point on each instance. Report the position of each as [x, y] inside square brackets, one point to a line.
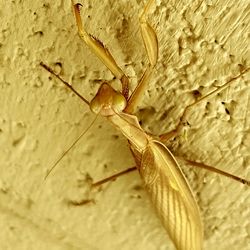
[202, 45]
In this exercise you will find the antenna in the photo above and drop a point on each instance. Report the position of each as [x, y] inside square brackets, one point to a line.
[71, 146]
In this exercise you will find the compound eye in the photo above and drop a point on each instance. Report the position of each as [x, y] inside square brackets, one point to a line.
[119, 102]
[95, 106]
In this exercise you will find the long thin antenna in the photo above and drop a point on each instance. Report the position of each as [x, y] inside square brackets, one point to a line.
[64, 82]
[83, 99]
[71, 146]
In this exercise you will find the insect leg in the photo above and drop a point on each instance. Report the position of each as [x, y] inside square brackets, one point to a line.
[165, 137]
[151, 45]
[101, 51]
[215, 170]
[113, 177]
[99, 183]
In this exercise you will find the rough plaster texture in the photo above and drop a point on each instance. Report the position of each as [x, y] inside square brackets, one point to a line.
[202, 44]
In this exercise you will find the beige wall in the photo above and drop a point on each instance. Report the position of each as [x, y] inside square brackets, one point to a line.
[39, 119]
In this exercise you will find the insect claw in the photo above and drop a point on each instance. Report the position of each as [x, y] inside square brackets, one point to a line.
[78, 5]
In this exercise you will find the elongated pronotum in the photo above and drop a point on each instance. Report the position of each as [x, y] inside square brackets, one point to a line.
[161, 174]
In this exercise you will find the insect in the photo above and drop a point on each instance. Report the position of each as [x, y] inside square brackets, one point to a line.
[163, 179]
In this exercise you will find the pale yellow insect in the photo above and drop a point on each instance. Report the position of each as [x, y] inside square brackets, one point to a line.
[162, 176]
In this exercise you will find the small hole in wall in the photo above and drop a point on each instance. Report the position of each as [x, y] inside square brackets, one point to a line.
[196, 93]
[227, 111]
[40, 33]
[138, 187]
[59, 64]
[137, 196]
[46, 5]
[115, 137]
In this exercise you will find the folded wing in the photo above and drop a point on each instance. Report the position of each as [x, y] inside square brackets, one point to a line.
[171, 195]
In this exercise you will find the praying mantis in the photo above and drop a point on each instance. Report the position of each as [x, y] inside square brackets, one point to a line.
[168, 189]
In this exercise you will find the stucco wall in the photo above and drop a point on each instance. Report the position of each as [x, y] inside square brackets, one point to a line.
[202, 44]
